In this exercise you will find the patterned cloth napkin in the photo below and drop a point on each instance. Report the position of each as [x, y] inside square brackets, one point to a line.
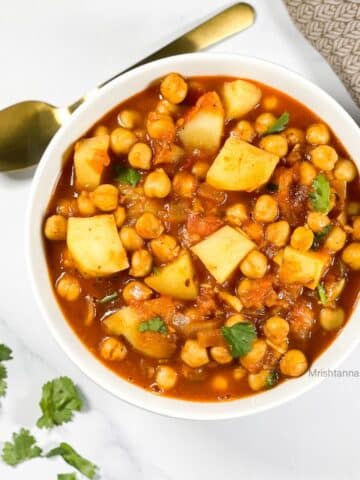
[333, 28]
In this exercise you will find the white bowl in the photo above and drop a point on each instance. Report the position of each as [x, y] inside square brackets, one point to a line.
[47, 176]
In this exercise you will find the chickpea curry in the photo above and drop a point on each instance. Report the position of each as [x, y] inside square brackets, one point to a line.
[203, 240]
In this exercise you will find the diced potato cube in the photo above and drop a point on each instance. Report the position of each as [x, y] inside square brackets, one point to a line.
[304, 268]
[240, 166]
[90, 158]
[239, 98]
[203, 125]
[222, 251]
[95, 245]
[176, 279]
[126, 322]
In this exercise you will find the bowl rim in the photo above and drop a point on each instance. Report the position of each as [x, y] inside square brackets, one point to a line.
[102, 100]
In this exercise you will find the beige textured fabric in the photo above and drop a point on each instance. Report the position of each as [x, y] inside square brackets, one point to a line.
[333, 28]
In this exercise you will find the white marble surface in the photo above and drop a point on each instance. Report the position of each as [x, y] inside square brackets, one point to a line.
[56, 51]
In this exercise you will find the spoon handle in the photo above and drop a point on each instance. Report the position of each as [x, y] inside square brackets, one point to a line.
[232, 20]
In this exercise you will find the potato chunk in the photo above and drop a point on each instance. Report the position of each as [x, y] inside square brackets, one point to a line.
[240, 166]
[126, 322]
[90, 158]
[304, 268]
[222, 251]
[175, 279]
[239, 98]
[95, 246]
[203, 125]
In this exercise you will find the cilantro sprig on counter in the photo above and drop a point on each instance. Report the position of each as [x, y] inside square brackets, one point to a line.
[66, 476]
[5, 355]
[279, 125]
[22, 448]
[239, 338]
[319, 195]
[73, 458]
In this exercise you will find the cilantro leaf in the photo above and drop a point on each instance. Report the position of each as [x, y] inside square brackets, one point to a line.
[322, 293]
[3, 382]
[320, 237]
[239, 337]
[272, 379]
[155, 324]
[23, 448]
[320, 194]
[60, 398]
[66, 476]
[74, 459]
[5, 353]
[108, 298]
[127, 175]
[279, 125]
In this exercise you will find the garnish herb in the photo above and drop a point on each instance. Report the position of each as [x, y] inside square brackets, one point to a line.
[60, 398]
[320, 237]
[66, 476]
[279, 125]
[109, 298]
[239, 337]
[320, 194]
[22, 448]
[74, 459]
[272, 187]
[272, 379]
[5, 354]
[155, 324]
[127, 175]
[322, 293]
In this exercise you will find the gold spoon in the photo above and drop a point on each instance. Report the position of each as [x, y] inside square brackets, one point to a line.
[27, 127]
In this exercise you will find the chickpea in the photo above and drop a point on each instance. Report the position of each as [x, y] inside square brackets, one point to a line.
[112, 349]
[148, 226]
[160, 126]
[356, 229]
[293, 136]
[200, 169]
[351, 255]
[293, 363]
[239, 373]
[135, 291]
[166, 377]
[67, 207]
[276, 144]
[129, 118]
[68, 287]
[164, 106]
[193, 355]
[221, 355]
[278, 233]
[140, 156]
[353, 208]
[345, 170]
[331, 319]
[276, 329]
[234, 319]
[263, 122]
[165, 248]
[335, 240]
[120, 216]
[121, 140]
[236, 214]
[254, 265]
[245, 131]
[55, 227]
[141, 263]
[157, 184]
[324, 157]
[270, 102]
[317, 134]
[220, 383]
[302, 239]
[100, 130]
[266, 209]
[253, 360]
[258, 381]
[85, 205]
[174, 88]
[130, 239]
[317, 221]
[184, 184]
[105, 197]
[307, 173]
